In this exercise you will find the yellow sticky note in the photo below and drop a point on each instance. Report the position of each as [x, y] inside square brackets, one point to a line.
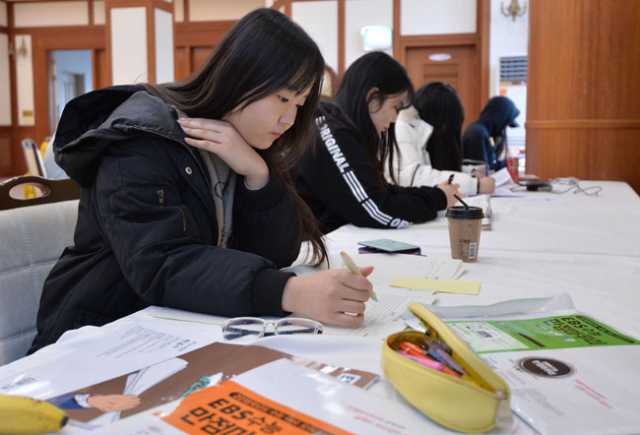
[438, 285]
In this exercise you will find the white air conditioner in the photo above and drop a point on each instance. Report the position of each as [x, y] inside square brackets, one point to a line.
[512, 83]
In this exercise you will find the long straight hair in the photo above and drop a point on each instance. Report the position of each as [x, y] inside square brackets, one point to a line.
[438, 104]
[262, 54]
[373, 70]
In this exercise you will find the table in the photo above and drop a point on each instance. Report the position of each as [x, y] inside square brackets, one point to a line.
[539, 244]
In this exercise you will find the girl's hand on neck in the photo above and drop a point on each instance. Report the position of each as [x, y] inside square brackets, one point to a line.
[222, 139]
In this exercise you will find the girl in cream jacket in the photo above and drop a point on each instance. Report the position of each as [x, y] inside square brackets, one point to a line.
[413, 167]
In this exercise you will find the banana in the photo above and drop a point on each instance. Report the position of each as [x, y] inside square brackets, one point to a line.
[24, 415]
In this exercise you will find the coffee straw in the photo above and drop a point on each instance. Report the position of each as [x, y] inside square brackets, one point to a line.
[466, 206]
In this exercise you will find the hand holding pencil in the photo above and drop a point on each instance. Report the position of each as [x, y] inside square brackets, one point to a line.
[333, 296]
[348, 262]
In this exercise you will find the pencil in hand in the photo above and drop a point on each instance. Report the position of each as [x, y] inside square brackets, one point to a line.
[348, 262]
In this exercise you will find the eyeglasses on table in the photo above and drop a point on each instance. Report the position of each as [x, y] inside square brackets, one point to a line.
[240, 329]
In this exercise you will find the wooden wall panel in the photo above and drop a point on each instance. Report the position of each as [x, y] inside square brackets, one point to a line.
[586, 153]
[5, 151]
[583, 93]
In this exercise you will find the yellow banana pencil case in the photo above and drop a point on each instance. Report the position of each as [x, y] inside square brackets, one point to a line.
[438, 374]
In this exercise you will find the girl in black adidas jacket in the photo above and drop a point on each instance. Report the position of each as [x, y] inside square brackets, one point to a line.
[184, 202]
[343, 179]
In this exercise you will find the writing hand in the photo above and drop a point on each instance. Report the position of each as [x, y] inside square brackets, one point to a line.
[450, 190]
[329, 295]
[487, 185]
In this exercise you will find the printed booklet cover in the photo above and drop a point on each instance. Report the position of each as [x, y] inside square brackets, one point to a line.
[176, 378]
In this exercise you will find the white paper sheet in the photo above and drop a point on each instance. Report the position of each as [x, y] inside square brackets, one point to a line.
[385, 316]
[502, 177]
[134, 346]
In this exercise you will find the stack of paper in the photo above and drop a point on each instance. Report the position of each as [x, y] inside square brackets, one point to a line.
[504, 183]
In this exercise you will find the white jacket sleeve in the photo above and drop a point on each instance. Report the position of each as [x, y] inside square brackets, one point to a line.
[412, 166]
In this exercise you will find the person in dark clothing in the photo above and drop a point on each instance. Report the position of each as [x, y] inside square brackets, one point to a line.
[198, 221]
[342, 179]
[486, 138]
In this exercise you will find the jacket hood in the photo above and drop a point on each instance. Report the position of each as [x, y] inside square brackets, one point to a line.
[92, 122]
[499, 113]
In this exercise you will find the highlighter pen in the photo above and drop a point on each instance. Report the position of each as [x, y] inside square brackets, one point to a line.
[348, 262]
[411, 348]
[422, 360]
[451, 178]
[438, 353]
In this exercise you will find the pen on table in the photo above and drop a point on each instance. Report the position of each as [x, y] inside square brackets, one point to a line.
[451, 178]
[354, 269]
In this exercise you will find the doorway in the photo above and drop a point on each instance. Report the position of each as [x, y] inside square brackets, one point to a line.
[70, 75]
[452, 64]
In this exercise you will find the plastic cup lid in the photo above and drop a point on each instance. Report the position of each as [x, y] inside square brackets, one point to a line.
[459, 212]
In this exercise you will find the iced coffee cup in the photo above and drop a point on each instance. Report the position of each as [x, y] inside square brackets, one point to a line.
[465, 224]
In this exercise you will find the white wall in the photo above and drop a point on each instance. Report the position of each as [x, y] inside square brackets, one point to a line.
[5, 83]
[208, 10]
[98, 12]
[507, 38]
[320, 20]
[60, 13]
[24, 78]
[164, 46]
[434, 17]
[129, 45]
[361, 13]
[3, 14]
[178, 10]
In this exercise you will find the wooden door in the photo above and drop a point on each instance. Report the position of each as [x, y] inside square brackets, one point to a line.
[453, 64]
[194, 42]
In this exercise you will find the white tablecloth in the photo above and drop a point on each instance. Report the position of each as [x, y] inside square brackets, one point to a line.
[540, 244]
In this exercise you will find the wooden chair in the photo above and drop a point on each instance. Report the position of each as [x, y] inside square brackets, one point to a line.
[52, 191]
[34, 233]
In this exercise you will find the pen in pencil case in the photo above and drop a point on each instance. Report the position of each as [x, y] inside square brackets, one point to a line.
[436, 350]
[348, 262]
[415, 350]
[422, 360]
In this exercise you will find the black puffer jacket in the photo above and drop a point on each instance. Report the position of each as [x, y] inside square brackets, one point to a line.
[147, 230]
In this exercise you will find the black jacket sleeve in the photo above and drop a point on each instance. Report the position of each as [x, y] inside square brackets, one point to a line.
[266, 221]
[160, 247]
[341, 178]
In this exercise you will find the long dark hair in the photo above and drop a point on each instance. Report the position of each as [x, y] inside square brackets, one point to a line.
[373, 70]
[262, 54]
[438, 104]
